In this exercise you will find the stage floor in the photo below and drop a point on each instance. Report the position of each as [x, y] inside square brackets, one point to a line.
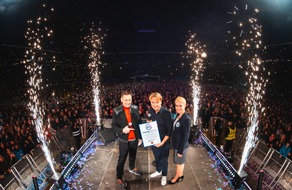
[99, 171]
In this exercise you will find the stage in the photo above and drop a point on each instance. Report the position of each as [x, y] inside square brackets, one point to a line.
[98, 171]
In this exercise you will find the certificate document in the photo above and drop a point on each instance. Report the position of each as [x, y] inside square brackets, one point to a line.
[150, 133]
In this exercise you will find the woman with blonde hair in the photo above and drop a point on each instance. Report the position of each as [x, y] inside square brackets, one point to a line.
[180, 136]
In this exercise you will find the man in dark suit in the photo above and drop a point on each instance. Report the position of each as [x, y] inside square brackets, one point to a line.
[125, 123]
[163, 118]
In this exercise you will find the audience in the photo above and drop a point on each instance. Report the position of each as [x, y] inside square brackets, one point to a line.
[285, 150]
[18, 135]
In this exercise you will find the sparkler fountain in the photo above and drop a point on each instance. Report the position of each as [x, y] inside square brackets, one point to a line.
[33, 65]
[196, 49]
[94, 43]
[251, 49]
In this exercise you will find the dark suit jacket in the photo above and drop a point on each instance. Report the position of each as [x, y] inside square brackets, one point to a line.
[164, 122]
[119, 121]
[181, 133]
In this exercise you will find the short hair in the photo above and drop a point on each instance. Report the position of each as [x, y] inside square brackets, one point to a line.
[126, 92]
[155, 95]
[181, 99]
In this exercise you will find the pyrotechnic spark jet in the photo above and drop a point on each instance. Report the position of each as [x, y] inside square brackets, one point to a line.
[33, 65]
[250, 39]
[94, 42]
[195, 50]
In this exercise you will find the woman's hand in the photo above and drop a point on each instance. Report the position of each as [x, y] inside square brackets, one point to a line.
[179, 155]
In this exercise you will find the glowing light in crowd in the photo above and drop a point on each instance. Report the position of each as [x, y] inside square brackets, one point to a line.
[34, 57]
[248, 40]
[196, 51]
[93, 42]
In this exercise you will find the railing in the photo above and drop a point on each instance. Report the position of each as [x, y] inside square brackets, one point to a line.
[61, 182]
[35, 164]
[278, 170]
[277, 175]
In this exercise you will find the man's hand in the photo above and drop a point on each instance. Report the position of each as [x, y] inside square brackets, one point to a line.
[179, 155]
[139, 142]
[159, 145]
[126, 129]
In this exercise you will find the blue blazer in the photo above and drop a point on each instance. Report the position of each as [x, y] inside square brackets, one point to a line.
[181, 133]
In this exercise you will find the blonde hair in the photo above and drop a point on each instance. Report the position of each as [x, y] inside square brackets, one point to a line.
[155, 95]
[181, 100]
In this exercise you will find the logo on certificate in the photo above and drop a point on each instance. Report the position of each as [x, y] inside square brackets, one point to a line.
[148, 127]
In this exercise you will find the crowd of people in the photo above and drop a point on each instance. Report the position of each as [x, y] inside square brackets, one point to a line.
[65, 109]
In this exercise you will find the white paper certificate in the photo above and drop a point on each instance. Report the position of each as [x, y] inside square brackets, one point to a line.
[150, 133]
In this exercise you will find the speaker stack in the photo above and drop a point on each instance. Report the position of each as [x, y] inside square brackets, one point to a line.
[107, 135]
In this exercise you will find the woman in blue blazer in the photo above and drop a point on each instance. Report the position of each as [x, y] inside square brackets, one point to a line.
[180, 136]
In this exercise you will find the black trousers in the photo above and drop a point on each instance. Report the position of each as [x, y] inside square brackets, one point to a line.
[126, 148]
[228, 145]
[161, 158]
[219, 133]
[78, 141]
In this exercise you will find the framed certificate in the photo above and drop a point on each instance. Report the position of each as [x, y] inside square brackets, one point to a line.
[150, 133]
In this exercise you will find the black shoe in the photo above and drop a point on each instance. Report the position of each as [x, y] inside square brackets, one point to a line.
[135, 171]
[181, 178]
[123, 183]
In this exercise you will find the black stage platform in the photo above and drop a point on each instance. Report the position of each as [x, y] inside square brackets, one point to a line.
[99, 171]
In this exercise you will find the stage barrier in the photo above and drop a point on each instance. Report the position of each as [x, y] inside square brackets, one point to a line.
[35, 164]
[277, 171]
[60, 183]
